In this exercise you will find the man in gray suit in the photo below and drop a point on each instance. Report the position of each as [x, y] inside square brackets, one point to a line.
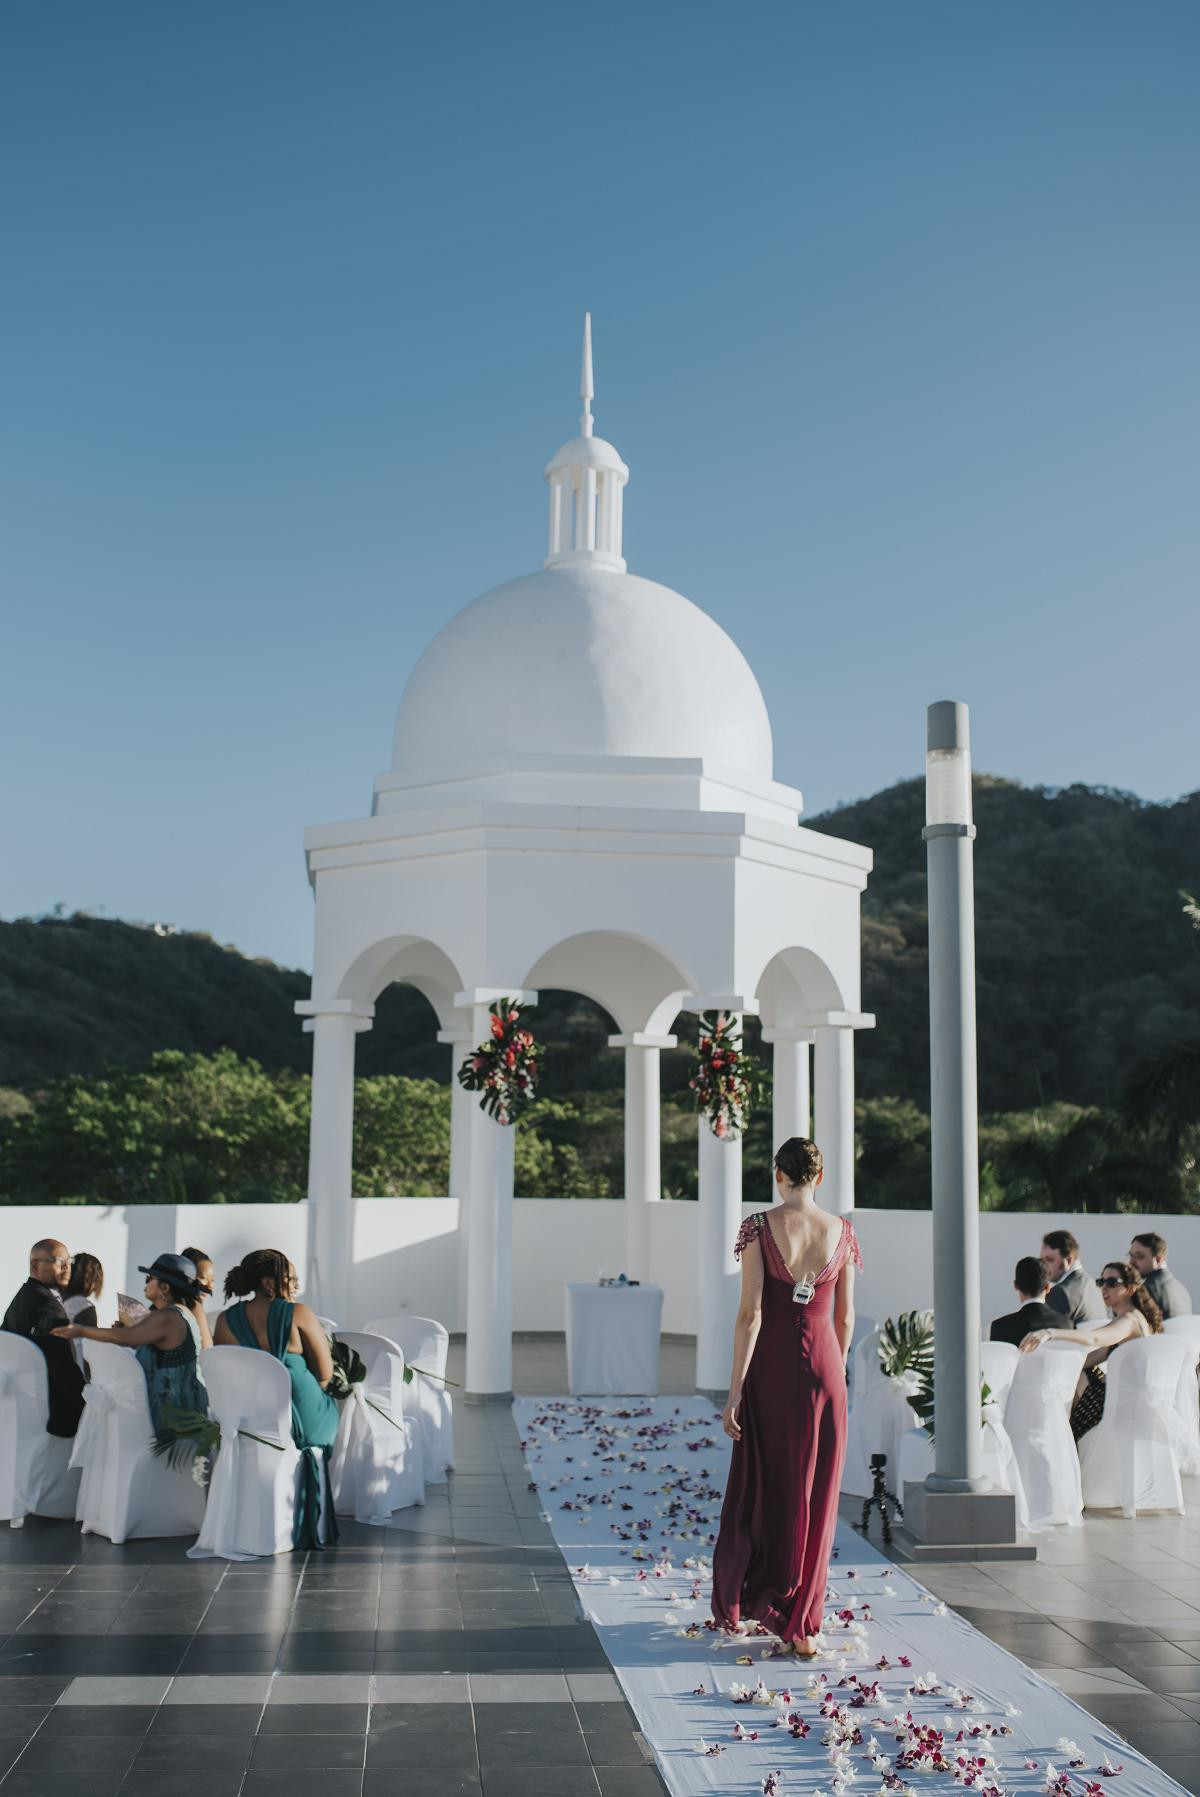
[1148, 1254]
[1072, 1292]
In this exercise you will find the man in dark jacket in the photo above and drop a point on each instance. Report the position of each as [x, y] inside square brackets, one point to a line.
[34, 1312]
[1030, 1284]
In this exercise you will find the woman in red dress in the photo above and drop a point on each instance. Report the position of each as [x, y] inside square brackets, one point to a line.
[787, 1407]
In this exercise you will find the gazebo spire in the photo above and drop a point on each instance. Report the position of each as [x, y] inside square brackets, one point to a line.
[587, 387]
[587, 478]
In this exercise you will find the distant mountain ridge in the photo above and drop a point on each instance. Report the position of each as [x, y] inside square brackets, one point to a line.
[1086, 966]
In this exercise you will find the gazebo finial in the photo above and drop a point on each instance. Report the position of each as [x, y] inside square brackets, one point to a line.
[587, 390]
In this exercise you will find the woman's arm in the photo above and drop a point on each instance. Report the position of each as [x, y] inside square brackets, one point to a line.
[843, 1307]
[315, 1343]
[1106, 1335]
[158, 1330]
[745, 1333]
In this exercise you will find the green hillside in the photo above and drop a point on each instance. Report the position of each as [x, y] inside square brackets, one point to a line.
[1086, 967]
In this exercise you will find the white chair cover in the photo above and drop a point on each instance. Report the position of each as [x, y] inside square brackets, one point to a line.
[862, 1326]
[879, 1418]
[1188, 1395]
[35, 1473]
[375, 1467]
[1037, 1418]
[425, 1343]
[125, 1489]
[252, 1496]
[1189, 1326]
[1000, 1461]
[998, 1363]
[1131, 1460]
[328, 1325]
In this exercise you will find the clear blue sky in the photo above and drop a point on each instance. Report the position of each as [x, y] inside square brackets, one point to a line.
[896, 314]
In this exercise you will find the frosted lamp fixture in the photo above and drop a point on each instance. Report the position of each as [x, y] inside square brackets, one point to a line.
[948, 764]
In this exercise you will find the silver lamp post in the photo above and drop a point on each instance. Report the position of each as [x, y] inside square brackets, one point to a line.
[949, 836]
[954, 1512]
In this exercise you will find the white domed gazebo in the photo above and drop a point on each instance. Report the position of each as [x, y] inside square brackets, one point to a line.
[629, 843]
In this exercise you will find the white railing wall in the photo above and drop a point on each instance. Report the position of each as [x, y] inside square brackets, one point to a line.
[405, 1250]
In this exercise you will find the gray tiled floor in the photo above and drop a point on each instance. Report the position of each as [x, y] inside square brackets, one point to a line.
[446, 1655]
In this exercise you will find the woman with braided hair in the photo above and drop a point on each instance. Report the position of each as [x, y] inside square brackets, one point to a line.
[269, 1318]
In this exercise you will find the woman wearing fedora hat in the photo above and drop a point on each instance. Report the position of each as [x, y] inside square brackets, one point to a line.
[167, 1342]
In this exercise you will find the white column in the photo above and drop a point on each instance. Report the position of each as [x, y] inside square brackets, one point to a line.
[604, 486]
[791, 1101]
[333, 1025]
[552, 534]
[460, 1142]
[717, 1272]
[489, 1147]
[833, 1060]
[643, 1143]
[585, 517]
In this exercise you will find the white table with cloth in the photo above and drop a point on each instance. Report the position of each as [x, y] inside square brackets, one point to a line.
[612, 1339]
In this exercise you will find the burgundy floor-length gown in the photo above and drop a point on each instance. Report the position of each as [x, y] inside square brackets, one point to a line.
[771, 1560]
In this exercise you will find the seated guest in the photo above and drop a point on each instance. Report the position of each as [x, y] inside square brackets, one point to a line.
[206, 1280]
[1148, 1254]
[1071, 1292]
[1030, 1284]
[36, 1311]
[1133, 1314]
[271, 1319]
[167, 1342]
[83, 1288]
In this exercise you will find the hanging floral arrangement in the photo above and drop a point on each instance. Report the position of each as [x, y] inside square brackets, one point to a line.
[505, 1068]
[728, 1081]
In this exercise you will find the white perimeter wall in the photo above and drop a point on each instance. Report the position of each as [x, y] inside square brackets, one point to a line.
[405, 1250]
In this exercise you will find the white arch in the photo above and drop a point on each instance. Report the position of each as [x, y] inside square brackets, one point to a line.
[795, 983]
[411, 960]
[636, 981]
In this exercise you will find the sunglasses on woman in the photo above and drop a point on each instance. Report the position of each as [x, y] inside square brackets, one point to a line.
[1108, 1280]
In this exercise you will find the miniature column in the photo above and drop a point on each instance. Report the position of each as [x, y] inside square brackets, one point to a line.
[643, 1143]
[333, 1024]
[489, 1147]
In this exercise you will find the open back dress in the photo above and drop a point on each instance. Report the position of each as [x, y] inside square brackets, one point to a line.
[771, 1560]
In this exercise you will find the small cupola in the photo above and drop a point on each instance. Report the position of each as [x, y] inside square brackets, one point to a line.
[587, 481]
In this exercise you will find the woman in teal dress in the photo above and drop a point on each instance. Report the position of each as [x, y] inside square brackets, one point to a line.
[167, 1342]
[270, 1319]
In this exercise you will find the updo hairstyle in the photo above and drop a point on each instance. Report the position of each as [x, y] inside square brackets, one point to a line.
[800, 1161]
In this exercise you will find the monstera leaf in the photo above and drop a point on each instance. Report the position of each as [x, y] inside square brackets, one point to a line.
[906, 1345]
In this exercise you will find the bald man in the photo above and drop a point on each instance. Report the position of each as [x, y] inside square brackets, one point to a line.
[34, 1312]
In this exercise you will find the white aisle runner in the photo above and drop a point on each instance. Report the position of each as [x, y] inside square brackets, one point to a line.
[906, 1697]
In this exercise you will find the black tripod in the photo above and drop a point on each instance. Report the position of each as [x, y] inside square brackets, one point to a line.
[883, 1498]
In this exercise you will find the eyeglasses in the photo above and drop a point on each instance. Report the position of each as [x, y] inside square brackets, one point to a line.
[51, 1260]
[1109, 1281]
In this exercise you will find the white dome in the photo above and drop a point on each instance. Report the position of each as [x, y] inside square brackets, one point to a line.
[583, 660]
